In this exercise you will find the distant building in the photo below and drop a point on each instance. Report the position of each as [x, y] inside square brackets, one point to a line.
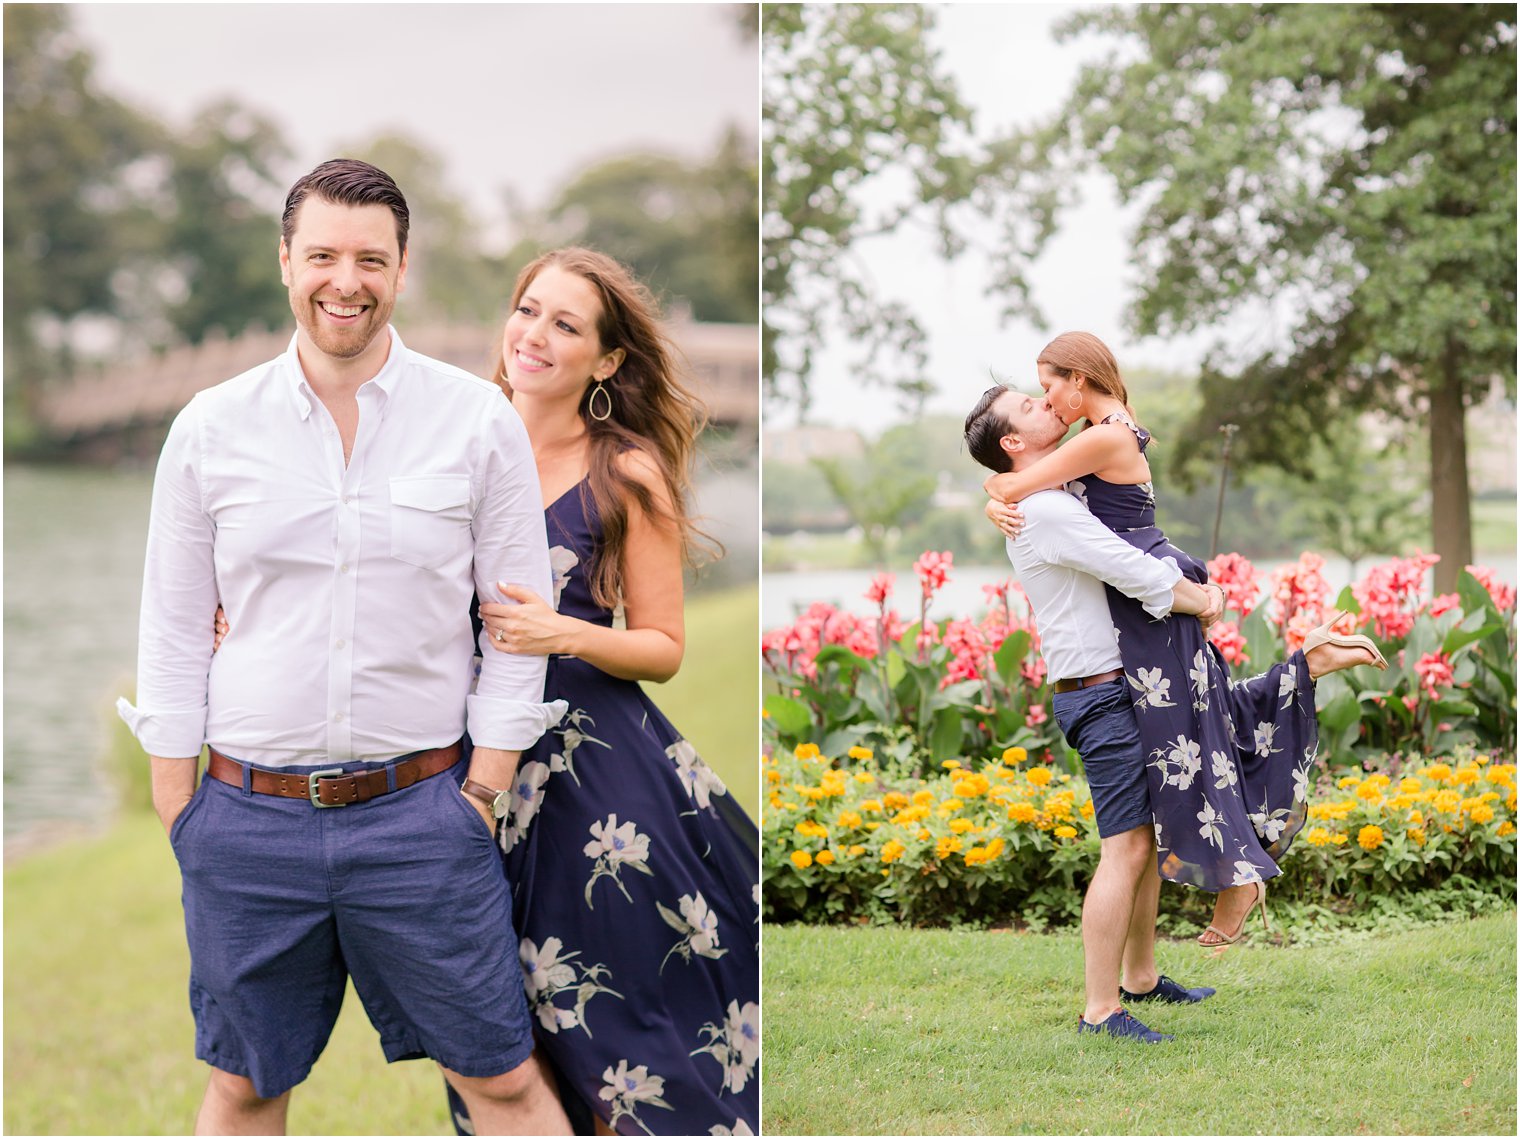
[799, 444]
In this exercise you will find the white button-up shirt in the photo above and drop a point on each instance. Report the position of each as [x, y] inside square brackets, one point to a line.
[1063, 556]
[348, 588]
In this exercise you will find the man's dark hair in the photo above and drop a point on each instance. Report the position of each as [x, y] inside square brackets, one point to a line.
[348, 182]
[984, 430]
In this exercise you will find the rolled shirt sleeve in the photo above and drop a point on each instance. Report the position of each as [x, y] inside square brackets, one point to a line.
[507, 709]
[1064, 532]
[178, 603]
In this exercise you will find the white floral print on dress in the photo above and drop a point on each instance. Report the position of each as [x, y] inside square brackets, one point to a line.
[614, 847]
[735, 1044]
[1155, 688]
[697, 925]
[1179, 762]
[701, 781]
[527, 797]
[547, 974]
[561, 561]
[629, 1088]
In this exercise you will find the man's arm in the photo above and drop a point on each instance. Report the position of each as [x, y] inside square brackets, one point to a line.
[174, 636]
[507, 712]
[1063, 532]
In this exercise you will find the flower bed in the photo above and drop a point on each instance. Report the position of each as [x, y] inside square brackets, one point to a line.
[847, 840]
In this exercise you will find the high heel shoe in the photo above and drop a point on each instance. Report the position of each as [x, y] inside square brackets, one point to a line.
[1240, 931]
[1323, 636]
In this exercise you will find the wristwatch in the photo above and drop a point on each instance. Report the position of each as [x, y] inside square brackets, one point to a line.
[498, 801]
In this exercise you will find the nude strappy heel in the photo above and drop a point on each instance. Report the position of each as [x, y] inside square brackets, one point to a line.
[1260, 902]
[1323, 636]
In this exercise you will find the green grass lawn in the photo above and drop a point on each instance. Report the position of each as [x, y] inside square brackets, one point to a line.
[98, 1034]
[897, 1031]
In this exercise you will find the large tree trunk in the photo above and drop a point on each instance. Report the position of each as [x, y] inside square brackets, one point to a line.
[1450, 499]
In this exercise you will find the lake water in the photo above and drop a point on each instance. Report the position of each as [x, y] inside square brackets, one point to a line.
[74, 542]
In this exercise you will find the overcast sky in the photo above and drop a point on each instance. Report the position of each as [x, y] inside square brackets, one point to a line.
[519, 95]
[1011, 72]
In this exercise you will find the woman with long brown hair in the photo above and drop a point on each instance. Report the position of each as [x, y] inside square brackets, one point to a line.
[1227, 763]
[634, 873]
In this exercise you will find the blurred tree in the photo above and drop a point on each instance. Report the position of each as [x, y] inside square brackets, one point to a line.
[448, 276]
[687, 231]
[74, 159]
[1355, 165]
[864, 132]
[879, 492]
[220, 236]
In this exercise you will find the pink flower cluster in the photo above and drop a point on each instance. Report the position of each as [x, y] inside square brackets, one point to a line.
[1226, 634]
[1239, 579]
[1390, 594]
[1503, 595]
[1298, 598]
[797, 644]
[1435, 672]
[933, 571]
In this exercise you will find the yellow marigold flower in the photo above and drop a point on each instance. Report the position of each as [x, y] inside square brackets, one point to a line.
[946, 846]
[814, 793]
[1509, 800]
[1347, 781]
[892, 851]
[801, 859]
[1416, 818]
[858, 752]
[1087, 809]
[1447, 801]
[910, 815]
[1466, 775]
[1039, 776]
[949, 807]
[1318, 836]
[994, 848]
[872, 805]
[856, 850]
[923, 834]
[1417, 835]
[1482, 813]
[951, 764]
[1058, 808]
[1021, 813]
[1401, 802]
[1319, 810]
[807, 751]
[923, 797]
[1066, 832]
[787, 805]
[1409, 786]
[1480, 760]
[864, 777]
[825, 858]
[998, 792]
[873, 826]
[961, 826]
[1489, 797]
[1506, 827]
[1369, 790]
[1339, 839]
[1437, 771]
[896, 800]
[1014, 755]
[811, 829]
[1380, 779]
[1064, 778]
[1369, 837]
[848, 819]
[833, 783]
[1042, 821]
[975, 856]
[773, 776]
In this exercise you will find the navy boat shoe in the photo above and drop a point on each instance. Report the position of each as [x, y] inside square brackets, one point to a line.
[1169, 991]
[1123, 1025]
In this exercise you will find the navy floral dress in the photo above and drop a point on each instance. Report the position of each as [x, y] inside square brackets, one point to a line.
[1227, 762]
[635, 896]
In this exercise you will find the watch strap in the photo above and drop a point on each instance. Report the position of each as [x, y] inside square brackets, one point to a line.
[490, 796]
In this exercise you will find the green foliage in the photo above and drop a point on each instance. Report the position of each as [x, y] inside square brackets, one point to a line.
[855, 839]
[687, 230]
[863, 131]
[878, 493]
[1358, 158]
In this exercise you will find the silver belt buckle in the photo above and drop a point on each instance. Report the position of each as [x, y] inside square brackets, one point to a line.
[313, 791]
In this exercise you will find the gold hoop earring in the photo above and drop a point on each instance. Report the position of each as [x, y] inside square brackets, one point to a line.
[600, 390]
[1075, 396]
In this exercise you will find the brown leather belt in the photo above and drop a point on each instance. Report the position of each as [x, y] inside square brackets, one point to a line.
[333, 788]
[1077, 682]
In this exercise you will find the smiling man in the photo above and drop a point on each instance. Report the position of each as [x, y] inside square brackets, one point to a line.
[344, 503]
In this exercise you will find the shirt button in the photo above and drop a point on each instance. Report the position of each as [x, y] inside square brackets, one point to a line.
[343, 568]
[338, 719]
[342, 644]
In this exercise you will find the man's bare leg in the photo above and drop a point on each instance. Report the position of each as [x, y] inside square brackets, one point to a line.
[232, 1107]
[1106, 916]
[520, 1102]
[1140, 972]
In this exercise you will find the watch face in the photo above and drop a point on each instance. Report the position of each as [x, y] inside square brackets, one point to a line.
[501, 803]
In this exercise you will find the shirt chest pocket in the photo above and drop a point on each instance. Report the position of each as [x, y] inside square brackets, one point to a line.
[430, 519]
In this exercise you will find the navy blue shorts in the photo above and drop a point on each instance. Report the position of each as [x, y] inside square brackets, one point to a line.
[404, 893]
[1099, 722]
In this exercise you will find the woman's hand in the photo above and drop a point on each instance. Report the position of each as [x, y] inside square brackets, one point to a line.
[997, 486]
[219, 628]
[530, 627]
[1006, 516]
[1216, 606]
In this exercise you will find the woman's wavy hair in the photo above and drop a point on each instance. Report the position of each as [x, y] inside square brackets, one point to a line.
[1074, 352]
[652, 410]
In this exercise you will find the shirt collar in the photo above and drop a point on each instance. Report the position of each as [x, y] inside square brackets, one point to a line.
[385, 380]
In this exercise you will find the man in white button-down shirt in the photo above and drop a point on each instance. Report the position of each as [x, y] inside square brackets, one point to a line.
[345, 503]
[1063, 556]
